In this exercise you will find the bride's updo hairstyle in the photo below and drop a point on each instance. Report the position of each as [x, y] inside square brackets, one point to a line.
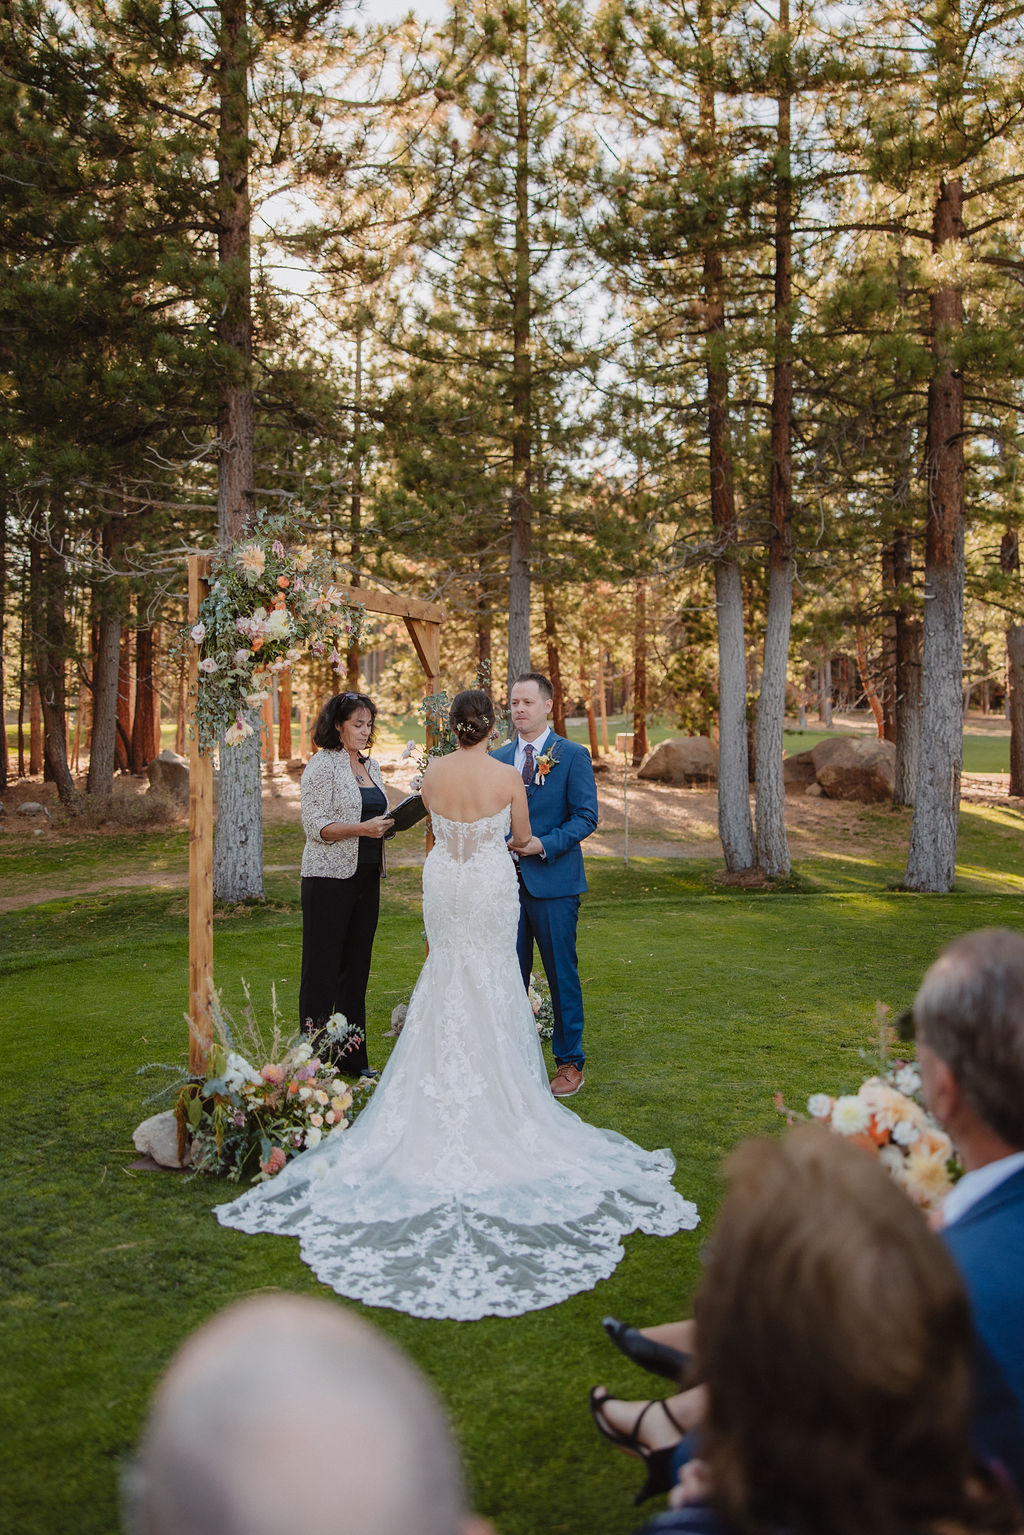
[471, 716]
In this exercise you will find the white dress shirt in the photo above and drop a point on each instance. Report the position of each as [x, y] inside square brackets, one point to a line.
[538, 748]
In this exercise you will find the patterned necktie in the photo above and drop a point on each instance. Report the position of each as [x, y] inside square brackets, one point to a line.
[528, 765]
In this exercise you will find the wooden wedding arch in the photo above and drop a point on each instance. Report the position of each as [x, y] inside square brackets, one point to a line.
[423, 621]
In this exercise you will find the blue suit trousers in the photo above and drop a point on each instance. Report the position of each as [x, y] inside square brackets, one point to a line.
[551, 922]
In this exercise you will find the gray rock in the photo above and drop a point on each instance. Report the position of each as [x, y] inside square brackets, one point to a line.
[157, 1137]
[855, 768]
[169, 774]
[33, 807]
[686, 759]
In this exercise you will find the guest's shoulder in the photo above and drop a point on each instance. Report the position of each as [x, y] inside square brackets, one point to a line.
[694, 1519]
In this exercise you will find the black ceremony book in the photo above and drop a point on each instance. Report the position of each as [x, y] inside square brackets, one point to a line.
[406, 813]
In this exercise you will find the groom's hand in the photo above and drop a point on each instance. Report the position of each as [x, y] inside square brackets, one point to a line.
[530, 849]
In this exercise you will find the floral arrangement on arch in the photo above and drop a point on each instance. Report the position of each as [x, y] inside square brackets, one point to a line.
[268, 603]
[887, 1118]
[262, 1101]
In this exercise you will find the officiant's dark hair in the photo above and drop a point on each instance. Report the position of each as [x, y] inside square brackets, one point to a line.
[334, 713]
[539, 678]
[471, 716]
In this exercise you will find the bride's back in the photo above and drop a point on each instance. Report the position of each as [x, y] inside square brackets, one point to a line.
[468, 785]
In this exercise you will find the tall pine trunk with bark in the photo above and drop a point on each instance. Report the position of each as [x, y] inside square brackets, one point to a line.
[521, 499]
[238, 841]
[908, 670]
[1009, 563]
[110, 603]
[772, 845]
[931, 859]
[48, 575]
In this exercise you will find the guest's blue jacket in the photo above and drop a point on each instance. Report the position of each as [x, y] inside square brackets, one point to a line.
[987, 1243]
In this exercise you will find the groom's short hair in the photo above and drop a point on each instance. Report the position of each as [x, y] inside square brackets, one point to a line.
[537, 677]
[282, 1392]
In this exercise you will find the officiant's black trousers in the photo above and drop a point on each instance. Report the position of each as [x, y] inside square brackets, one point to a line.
[339, 919]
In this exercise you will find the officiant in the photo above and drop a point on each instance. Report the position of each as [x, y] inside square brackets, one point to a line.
[345, 817]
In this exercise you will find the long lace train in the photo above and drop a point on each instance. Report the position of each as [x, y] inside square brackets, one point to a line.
[464, 1189]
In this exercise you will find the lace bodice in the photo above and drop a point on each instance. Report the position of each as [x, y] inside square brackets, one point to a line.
[464, 1189]
[463, 840]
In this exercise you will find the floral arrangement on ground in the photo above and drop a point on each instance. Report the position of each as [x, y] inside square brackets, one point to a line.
[886, 1116]
[267, 604]
[262, 1101]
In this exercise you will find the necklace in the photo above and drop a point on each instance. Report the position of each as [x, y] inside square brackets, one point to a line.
[361, 777]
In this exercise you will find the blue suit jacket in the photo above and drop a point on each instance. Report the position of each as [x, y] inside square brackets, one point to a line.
[563, 810]
[987, 1243]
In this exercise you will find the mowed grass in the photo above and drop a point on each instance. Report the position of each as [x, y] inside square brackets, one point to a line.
[702, 1003]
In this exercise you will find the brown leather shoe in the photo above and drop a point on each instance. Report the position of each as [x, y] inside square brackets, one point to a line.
[567, 1080]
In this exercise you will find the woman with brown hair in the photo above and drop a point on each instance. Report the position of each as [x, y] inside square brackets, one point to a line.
[833, 1340]
[344, 813]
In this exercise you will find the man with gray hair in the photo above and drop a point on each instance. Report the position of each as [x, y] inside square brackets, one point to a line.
[969, 1022]
[286, 1413]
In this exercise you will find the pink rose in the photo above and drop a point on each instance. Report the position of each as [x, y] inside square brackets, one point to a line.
[272, 1073]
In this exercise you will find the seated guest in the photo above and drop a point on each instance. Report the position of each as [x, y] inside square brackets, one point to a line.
[289, 1414]
[833, 1338]
[969, 1021]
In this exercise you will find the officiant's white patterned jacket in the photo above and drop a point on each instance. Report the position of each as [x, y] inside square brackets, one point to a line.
[330, 793]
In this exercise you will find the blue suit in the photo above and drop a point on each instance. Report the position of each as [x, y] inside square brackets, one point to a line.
[563, 810]
[987, 1243]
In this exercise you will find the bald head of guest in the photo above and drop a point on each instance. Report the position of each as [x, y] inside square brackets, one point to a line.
[288, 1413]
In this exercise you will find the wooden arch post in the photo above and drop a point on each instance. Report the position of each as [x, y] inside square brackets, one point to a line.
[423, 621]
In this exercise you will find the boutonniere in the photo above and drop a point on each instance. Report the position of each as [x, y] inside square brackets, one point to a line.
[543, 764]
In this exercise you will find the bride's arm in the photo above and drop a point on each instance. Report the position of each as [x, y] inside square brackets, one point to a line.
[522, 832]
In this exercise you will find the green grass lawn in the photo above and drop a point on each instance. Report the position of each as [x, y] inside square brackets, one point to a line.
[701, 1004]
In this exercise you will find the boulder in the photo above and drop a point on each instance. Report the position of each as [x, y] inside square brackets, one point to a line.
[157, 1137]
[169, 773]
[32, 807]
[854, 768]
[798, 773]
[687, 759]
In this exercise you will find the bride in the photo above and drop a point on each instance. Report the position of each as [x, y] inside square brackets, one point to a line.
[464, 1189]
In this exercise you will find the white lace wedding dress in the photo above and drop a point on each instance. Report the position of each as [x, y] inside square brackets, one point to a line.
[464, 1189]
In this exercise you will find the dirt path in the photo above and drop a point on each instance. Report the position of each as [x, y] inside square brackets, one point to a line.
[664, 822]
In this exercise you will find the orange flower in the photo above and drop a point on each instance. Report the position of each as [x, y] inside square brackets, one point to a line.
[283, 582]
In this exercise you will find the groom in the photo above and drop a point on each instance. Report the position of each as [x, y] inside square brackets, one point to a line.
[560, 788]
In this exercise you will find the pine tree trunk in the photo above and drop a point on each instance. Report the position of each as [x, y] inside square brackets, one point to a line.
[908, 672]
[931, 860]
[772, 846]
[355, 512]
[238, 839]
[554, 664]
[1009, 564]
[238, 844]
[284, 715]
[103, 742]
[48, 579]
[887, 668]
[144, 723]
[640, 746]
[35, 730]
[1015, 657]
[521, 499]
[825, 690]
[122, 748]
[4, 768]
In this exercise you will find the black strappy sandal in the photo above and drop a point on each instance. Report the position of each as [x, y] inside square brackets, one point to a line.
[657, 1463]
[659, 1358]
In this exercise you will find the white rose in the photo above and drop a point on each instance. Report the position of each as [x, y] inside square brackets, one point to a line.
[198, 633]
[278, 625]
[209, 665]
[905, 1133]
[314, 1135]
[241, 659]
[305, 1092]
[908, 1080]
[819, 1105]
[850, 1116]
[302, 1053]
[337, 1086]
